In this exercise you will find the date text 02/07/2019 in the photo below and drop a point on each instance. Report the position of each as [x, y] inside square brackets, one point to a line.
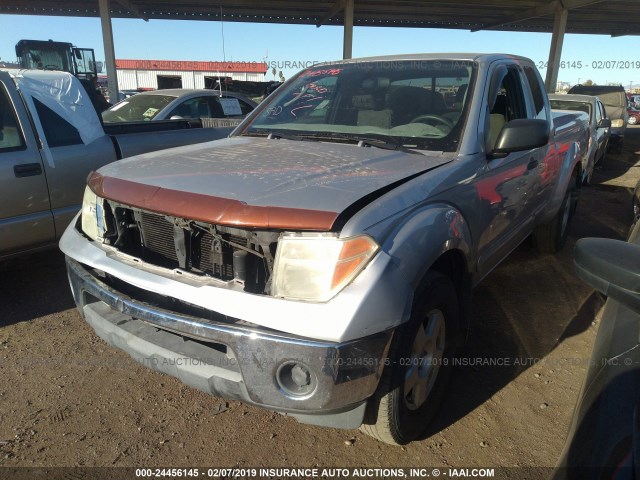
[595, 64]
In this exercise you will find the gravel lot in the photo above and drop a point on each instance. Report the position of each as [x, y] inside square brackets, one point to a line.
[68, 399]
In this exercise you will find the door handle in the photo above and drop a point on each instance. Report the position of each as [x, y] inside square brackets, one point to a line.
[27, 170]
[532, 164]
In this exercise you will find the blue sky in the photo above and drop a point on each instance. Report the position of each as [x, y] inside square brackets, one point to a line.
[599, 58]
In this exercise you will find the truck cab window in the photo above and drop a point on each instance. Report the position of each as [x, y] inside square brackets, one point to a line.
[602, 110]
[57, 131]
[10, 135]
[537, 90]
[509, 104]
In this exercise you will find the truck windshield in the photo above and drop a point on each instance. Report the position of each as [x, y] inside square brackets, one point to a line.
[420, 104]
[137, 108]
[49, 57]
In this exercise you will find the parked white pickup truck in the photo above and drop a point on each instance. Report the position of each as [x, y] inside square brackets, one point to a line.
[319, 262]
[50, 139]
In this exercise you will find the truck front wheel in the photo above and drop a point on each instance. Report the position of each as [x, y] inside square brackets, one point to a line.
[550, 237]
[420, 358]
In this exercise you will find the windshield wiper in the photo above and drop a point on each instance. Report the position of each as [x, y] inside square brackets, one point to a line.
[276, 135]
[374, 142]
[286, 136]
[327, 137]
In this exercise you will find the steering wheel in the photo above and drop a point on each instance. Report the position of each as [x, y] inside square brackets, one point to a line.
[435, 118]
[51, 67]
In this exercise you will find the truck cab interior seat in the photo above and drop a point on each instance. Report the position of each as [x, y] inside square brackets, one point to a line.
[371, 111]
[497, 118]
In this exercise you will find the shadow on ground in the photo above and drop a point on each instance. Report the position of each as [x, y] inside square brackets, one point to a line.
[33, 286]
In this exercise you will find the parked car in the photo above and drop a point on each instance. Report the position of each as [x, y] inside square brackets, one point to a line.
[634, 100]
[614, 99]
[599, 126]
[633, 115]
[319, 261]
[50, 139]
[604, 439]
[179, 103]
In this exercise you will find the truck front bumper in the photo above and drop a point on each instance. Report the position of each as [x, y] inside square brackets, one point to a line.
[318, 382]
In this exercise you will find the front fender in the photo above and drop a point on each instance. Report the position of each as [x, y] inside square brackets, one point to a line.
[420, 238]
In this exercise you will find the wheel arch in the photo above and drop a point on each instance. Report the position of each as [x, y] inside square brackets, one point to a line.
[453, 264]
[569, 163]
[436, 238]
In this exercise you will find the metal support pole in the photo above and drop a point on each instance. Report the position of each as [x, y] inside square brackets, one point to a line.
[109, 51]
[347, 46]
[555, 51]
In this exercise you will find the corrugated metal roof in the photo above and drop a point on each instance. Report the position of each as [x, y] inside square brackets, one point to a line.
[611, 17]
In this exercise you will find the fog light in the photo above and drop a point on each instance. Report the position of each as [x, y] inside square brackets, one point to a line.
[296, 379]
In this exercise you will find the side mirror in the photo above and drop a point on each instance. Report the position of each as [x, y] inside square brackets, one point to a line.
[604, 123]
[612, 267]
[521, 134]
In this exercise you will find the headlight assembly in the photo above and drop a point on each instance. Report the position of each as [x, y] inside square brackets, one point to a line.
[617, 123]
[92, 219]
[315, 267]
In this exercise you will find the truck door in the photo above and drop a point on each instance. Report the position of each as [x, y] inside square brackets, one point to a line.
[26, 221]
[69, 161]
[85, 63]
[506, 186]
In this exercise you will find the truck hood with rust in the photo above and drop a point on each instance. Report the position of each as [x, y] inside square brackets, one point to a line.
[258, 182]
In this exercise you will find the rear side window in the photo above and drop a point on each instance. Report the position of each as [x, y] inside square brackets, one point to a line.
[598, 112]
[537, 91]
[603, 111]
[11, 138]
[197, 107]
[57, 131]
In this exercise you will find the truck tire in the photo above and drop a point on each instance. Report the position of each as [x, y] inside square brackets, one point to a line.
[420, 359]
[550, 237]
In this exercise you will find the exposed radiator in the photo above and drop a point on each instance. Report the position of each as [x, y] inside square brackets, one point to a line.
[157, 235]
[214, 257]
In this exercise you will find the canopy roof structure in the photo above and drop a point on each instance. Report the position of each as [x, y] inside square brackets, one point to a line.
[611, 17]
[603, 17]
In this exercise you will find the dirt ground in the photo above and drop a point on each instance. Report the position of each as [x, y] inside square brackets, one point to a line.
[69, 399]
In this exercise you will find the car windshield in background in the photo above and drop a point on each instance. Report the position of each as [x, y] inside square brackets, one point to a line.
[613, 99]
[612, 96]
[137, 108]
[570, 105]
[412, 103]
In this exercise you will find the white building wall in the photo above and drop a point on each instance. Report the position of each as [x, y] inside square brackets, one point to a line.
[127, 80]
[133, 79]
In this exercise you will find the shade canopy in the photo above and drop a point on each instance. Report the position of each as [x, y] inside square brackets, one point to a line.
[586, 16]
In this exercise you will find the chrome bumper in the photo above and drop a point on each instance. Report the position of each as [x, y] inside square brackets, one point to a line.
[236, 361]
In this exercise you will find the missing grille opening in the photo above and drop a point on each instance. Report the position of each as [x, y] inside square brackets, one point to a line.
[230, 254]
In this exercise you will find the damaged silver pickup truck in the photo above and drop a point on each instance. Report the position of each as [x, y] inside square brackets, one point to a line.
[319, 262]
